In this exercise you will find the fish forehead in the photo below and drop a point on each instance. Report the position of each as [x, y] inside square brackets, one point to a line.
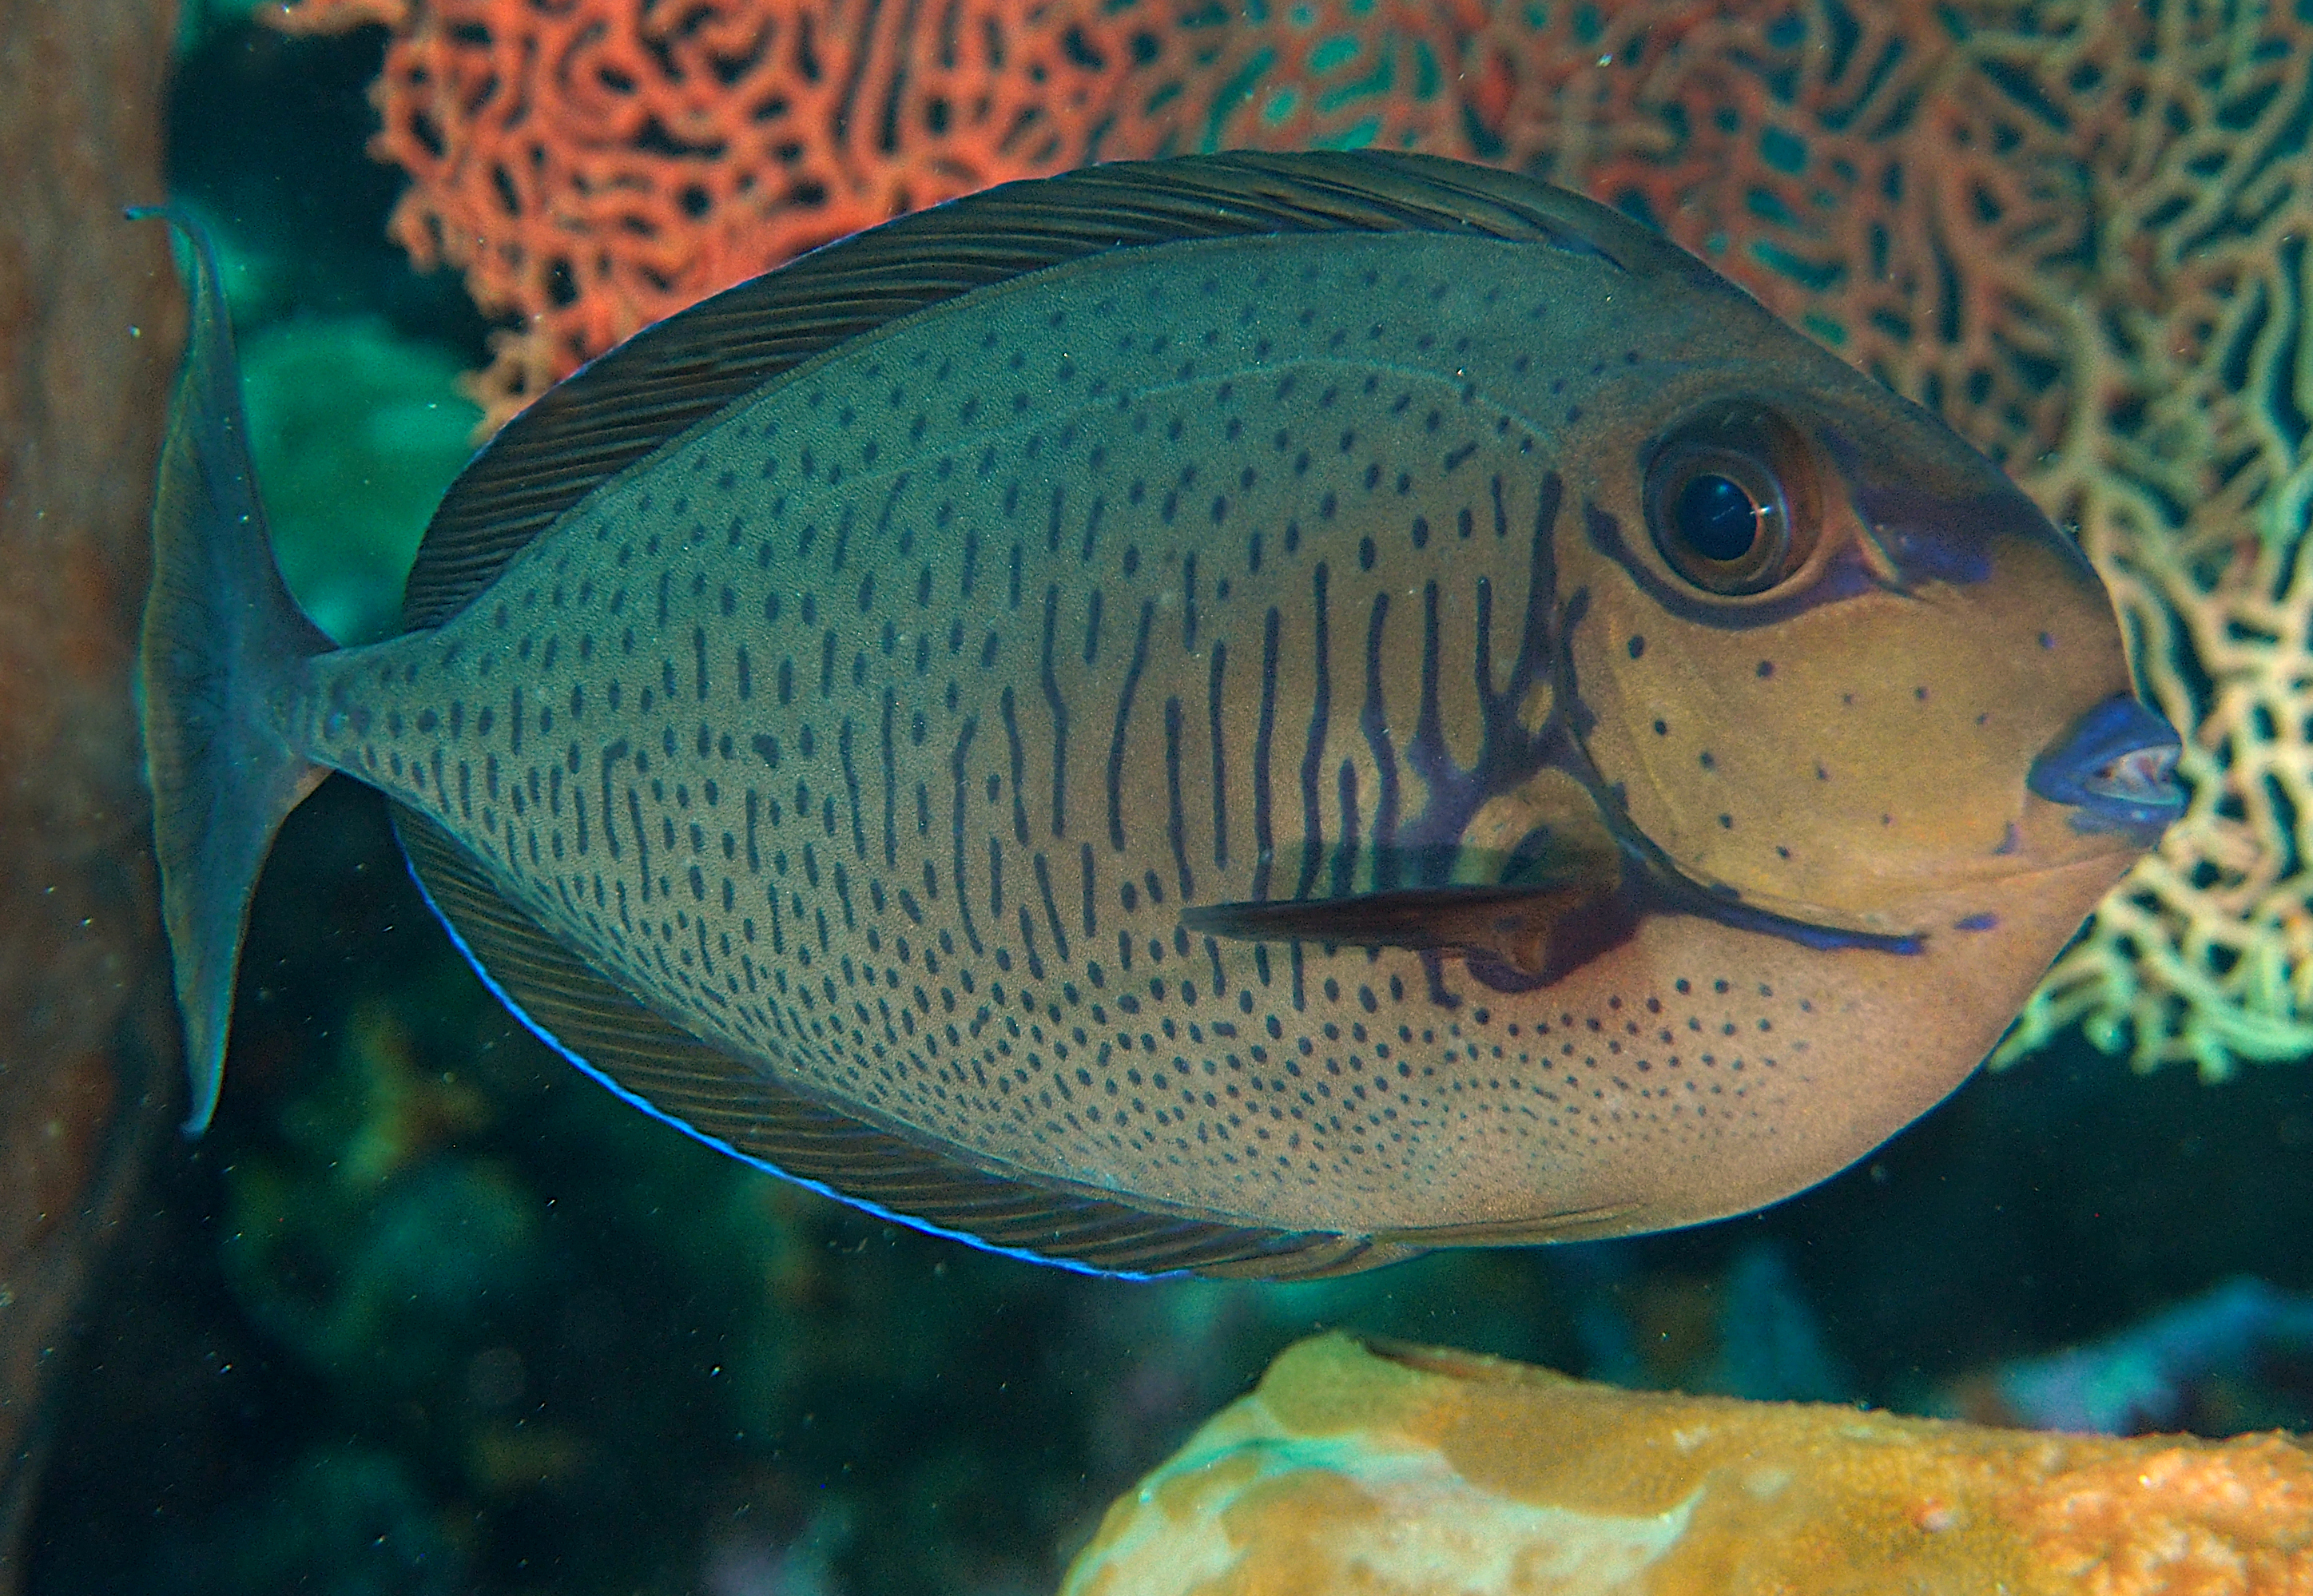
[880, 731]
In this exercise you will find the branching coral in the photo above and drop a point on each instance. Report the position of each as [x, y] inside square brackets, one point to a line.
[2079, 230]
[2081, 233]
[593, 166]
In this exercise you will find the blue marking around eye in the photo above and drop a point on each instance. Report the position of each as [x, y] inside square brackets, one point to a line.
[1918, 532]
[1931, 536]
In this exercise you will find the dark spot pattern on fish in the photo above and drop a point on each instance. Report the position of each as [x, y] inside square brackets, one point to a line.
[1213, 524]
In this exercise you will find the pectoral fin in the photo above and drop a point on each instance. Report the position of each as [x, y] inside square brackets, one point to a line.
[1525, 929]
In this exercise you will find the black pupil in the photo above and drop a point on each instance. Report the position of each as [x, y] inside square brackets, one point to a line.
[1716, 518]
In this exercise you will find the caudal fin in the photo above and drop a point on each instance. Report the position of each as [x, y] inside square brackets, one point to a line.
[223, 644]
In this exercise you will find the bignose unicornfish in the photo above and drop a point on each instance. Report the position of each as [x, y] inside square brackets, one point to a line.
[1247, 713]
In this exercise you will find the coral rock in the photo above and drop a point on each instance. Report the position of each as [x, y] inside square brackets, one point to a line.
[88, 335]
[1404, 1471]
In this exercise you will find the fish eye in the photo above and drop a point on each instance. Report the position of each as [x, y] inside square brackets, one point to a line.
[1727, 504]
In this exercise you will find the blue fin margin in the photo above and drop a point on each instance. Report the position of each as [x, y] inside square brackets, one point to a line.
[739, 1110]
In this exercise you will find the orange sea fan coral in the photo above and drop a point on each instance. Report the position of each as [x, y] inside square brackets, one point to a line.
[592, 165]
[2077, 229]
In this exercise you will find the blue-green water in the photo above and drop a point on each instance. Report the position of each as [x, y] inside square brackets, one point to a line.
[426, 1311]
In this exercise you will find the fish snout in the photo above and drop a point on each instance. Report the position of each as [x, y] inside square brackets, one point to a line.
[2116, 768]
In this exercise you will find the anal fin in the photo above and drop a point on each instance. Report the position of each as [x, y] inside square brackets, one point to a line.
[737, 1108]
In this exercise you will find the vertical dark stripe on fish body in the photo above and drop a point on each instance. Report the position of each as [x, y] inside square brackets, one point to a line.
[1321, 701]
[1373, 719]
[1005, 707]
[883, 517]
[1426, 753]
[642, 842]
[1123, 718]
[956, 771]
[1537, 632]
[1058, 707]
[1221, 772]
[612, 754]
[888, 754]
[1345, 852]
[1189, 602]
[1085, 865]
[1028, 945]
[1092, 528]
[1262, 837]
[1052, 910]
[1176, 822]
[851, 789]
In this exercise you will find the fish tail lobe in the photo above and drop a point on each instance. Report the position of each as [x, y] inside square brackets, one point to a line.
[223, 647]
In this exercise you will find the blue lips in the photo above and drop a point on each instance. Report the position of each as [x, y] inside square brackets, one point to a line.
[2117, 768]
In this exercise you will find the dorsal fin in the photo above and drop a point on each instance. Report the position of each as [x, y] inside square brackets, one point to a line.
[677, 374]
[738, 1109]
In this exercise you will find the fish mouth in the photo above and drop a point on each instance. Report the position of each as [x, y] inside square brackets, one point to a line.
[2116, 770]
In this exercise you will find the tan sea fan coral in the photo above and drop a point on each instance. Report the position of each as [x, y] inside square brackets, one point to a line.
[2079, 232]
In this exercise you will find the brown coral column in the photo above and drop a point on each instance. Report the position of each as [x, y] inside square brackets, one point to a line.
[90, 321]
